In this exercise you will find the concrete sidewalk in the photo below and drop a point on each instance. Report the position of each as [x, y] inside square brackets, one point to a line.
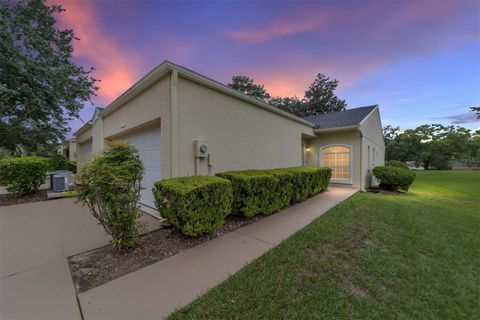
[35, 239]
[155, 291]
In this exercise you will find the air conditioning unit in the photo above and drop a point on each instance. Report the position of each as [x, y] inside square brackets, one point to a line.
[61, 181]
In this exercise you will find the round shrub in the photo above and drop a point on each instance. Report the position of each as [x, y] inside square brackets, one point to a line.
[60, 162]
[393, 178]
[397, 164]
[196, 205]
[110, 184]
[23, 175]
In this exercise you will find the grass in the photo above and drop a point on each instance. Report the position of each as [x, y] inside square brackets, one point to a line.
[375, 256]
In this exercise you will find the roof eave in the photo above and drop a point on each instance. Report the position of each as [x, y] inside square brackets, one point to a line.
[337, 129]
[166, 67]
[82, 128]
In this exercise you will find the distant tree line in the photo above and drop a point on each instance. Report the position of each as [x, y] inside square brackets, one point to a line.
[433, 145]
[319, 98]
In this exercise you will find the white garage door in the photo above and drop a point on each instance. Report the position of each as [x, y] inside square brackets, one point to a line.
[85, 151]
[147, 142]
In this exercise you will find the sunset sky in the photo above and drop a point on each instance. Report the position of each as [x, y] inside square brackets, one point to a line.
[420, 61]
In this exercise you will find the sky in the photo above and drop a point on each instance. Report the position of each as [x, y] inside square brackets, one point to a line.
[418, 60]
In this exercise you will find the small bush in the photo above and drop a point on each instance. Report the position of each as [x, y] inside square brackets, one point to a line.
[110, 184]
[266, 191]
[309, 181]
[60, 162]
[397, 164]
[393, 178]
[23, 175]
[4, 153]
[195, 205]
[254, 192]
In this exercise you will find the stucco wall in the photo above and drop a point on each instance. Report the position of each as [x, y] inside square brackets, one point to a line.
[84, 141]
[85, 135]
[84, 151]
[238, 135]
[351, 138]
[373, 147]
[72, 154]
[150, 106]
[97, 135]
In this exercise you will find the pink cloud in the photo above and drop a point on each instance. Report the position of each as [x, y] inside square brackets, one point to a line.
[115, 66]
[279, 28]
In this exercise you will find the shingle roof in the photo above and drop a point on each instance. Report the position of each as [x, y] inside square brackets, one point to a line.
[345, 118]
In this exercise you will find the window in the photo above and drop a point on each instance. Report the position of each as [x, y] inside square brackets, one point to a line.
[338, 158]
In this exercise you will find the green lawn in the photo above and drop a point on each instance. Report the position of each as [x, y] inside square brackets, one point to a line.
[374, 256]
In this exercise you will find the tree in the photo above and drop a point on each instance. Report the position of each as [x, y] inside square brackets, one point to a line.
[390, 133]
[40, 86]
[248, 86]
[292, 105]
[435, 145]
[320, 97]
[476, 110]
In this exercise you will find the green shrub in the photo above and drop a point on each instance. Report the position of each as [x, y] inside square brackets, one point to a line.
[23, 175]
[309, 181]
[60, 162]
[393, 178]
[398, 164]
[195, 205]
[4, 153]
[254, 192]
[266, 191]
[110, 184]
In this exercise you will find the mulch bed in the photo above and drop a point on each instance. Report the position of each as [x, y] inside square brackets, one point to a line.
[11, 199]
[94, 268]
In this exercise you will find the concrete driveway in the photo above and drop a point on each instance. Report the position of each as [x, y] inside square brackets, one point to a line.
[35, 239]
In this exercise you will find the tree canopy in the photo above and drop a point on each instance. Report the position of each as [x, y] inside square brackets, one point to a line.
[41, 88]
[319, 97]
[433, 145]
[248, 86]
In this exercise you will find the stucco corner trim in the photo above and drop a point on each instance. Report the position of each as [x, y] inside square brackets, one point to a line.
[173, 124]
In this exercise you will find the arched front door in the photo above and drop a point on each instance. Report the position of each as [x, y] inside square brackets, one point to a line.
[339, 159]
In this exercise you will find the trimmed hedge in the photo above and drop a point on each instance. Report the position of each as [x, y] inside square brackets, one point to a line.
[254, 192]
[398, 164]
[196, 205]
[23, 175]
[394, 178]
[267, 191]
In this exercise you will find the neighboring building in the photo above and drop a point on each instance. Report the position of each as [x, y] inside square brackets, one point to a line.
[69, 149]
[183, 123]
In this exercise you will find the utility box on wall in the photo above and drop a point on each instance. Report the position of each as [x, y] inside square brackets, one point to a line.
[200, 149]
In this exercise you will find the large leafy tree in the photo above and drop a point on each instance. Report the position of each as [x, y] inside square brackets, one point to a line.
[248, 86]
[40, 86]
[320, 97]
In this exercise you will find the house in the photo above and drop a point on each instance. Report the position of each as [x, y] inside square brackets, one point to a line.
[69, 149]
[183, 123]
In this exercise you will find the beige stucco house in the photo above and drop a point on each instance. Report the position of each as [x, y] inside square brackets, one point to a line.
[69, 149]
[183, 123]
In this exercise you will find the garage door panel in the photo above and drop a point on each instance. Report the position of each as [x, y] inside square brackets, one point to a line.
[147, 143]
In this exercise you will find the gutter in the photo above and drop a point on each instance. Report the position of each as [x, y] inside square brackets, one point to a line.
[337, 129]
[83, 128]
